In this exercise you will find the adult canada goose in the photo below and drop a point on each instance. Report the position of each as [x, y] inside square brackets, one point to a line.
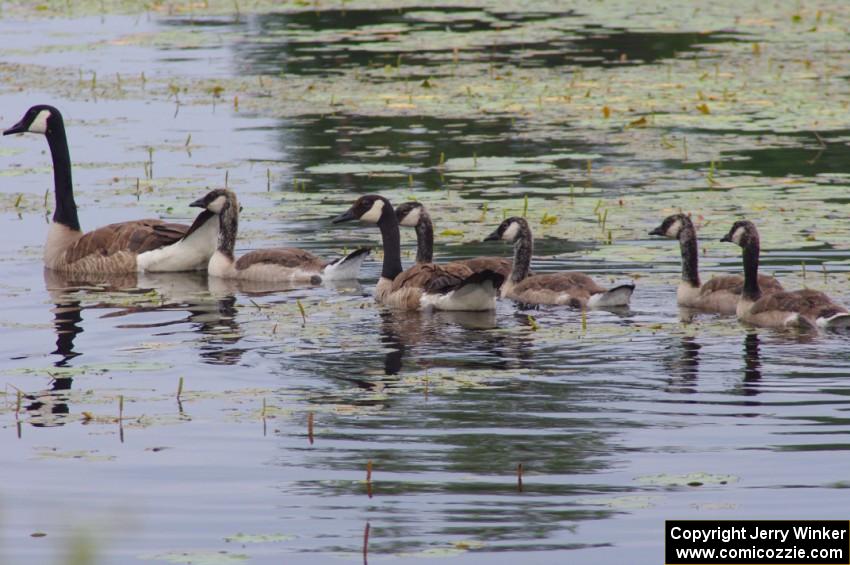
[280, 264]
[721, 293]
[424, 285]
[414, 215]
[805, 309]
[140, 245]
[570, 288]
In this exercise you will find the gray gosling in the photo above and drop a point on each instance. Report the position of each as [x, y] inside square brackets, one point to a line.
[569, 288]
[287, 264]
[804, 309]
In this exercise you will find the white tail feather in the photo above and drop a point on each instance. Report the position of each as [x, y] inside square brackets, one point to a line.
[346, 268]
[474, 297]
[617, 296]
[840, 321]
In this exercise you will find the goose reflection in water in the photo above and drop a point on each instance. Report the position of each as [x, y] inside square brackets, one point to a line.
[49, 407]
[684, 367]
[213, 317]
[752, 364]
[415, 341]
[432, 330]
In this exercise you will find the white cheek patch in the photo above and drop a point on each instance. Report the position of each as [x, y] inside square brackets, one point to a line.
[374, 213]
[736, 237]
[412, 219]
[511, 233]
[674, 229]
[39, 124]
[216, 205]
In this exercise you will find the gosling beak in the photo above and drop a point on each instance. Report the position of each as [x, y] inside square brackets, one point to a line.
[346, 216]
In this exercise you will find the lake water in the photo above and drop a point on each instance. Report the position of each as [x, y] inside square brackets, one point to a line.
[619, 421]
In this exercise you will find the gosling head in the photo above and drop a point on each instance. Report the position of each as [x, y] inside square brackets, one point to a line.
[217, 201]
[673, 226]
[742, 233]
[410, 214]
[509, 230]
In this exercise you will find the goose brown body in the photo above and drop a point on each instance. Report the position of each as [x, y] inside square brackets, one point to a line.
[569, 288]
[111, 248]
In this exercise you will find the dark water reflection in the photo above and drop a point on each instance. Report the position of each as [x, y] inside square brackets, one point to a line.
[331, 41]
[113, 297]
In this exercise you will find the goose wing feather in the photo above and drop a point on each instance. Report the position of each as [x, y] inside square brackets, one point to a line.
[136, 237]
[572, 283]
[499, 265]
[431, 277]
[292, 258]
[810, 303]
[734, 284]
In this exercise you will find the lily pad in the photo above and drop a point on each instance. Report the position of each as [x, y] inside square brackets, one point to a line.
[689, 479]
[356, 168]
[198, 557]
[473, 167]
[258, 538]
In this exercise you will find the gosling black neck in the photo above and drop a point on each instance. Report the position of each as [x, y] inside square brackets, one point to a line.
[752, 290]
[424, 239]
[523, 250]
[690, 255]
[228, 228]
[63, 189]
[388, 224]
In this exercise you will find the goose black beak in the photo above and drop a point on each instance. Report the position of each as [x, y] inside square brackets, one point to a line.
[199, 203]
[17, 128]
[346, 216]
[493, 236]
[727, 238]
[657, 231]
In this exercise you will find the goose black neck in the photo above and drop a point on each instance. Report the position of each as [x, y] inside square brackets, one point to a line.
[752, 291]
[523, 250]
[228, 228]
[690, 256]
[424, 239]
[63, 190]
[391, 241]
